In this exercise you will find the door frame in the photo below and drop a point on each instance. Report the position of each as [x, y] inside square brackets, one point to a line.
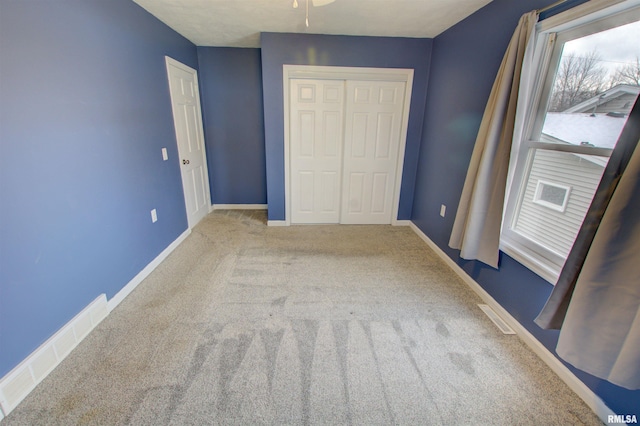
[169, 62]
[345, 73]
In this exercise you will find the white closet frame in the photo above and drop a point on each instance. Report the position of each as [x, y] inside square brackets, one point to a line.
[345, 73]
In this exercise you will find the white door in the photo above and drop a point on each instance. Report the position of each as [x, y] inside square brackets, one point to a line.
[372, 138]
[316, 116]
[187, 117]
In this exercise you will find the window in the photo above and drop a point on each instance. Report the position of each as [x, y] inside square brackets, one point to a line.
[579, 105]
[551, 195]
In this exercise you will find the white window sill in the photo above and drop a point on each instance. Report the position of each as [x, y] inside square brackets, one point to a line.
[533, 261]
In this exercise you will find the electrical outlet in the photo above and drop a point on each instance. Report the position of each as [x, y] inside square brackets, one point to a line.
[443, 210]
[165, 156]
[154, 216]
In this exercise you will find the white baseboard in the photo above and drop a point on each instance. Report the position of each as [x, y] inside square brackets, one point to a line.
[20, 381]
[239, 207]
[587, 395]
[284, 223]
[131, 285]
[277, 223]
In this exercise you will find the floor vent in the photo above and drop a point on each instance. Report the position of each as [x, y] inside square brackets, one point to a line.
[499, 322]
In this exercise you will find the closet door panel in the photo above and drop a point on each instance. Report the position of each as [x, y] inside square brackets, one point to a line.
[372, 137]
[316, 146]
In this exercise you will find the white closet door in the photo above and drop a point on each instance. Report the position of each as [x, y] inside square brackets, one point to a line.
[316, 125]
[372, 138]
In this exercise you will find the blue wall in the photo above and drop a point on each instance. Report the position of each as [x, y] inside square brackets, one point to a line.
[84, 113]
[231, 87]
[311, 49]
[464, 64]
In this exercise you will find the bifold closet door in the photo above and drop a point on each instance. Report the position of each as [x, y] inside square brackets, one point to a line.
[371, 144]
[316, 144]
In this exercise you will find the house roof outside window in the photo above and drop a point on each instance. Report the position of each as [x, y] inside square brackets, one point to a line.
[595, 122]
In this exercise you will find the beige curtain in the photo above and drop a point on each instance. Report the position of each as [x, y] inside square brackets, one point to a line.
[596, 302]
[601, 330]
[476, 230]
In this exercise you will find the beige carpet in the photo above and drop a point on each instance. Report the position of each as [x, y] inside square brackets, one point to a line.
[245, 324]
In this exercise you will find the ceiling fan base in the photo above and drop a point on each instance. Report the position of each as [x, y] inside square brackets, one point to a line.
[318, 3]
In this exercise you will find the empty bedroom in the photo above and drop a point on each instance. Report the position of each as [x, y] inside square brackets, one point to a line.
[319, 212]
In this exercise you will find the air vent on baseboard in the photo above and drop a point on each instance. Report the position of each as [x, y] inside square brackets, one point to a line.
[499, 322]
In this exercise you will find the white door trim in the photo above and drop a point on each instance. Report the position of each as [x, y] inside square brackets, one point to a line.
[172, 62]
[345, 73]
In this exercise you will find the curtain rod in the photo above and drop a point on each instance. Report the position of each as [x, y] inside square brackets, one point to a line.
[551, 6]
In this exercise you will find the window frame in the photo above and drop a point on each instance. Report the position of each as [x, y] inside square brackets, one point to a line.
[550, 35]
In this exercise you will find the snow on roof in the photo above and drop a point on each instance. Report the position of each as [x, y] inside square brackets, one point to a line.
[606, 96]
[600, 130]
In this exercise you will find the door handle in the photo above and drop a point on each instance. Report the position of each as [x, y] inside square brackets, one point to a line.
[185, 161]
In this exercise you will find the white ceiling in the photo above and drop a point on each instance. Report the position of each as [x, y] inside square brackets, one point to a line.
[238, 23]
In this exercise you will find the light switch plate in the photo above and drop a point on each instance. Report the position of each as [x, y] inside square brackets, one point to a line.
[154, 216]
[443, 210]
[165, 156]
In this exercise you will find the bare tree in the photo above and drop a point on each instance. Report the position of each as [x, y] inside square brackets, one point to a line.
[578, 79]
[627, 74]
